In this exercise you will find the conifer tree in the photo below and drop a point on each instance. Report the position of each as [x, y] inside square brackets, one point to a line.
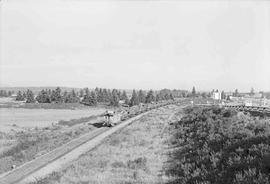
[124, 97]
[158, 98]
[9, 93]
[30, 96]
[134, 99]
[56, 95]
[100, 96]
[193, 91]
[93, 98]
[150, 97]
[105, 94]
[141, 96]
[114, 98]
[81, 93]
[171, 96]
[19, 96]
[43, 97]
[223, 96]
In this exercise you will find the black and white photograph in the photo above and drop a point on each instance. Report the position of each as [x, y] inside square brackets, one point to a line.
[134, 91]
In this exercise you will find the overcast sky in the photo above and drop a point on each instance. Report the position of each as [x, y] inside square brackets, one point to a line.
[145, 44]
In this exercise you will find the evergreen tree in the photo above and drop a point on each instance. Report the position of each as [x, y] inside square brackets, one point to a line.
[124, 97]
[119, 94]
[171, 96]
[150, 97]
[167, 96]
[93, 98]
[71, 97]
[86, 92]
[3, 93]
[9, 93]
[141, 96]
[19, 96]
[236, 93]
[100, 96]
[193, 92]
[56, 95]
[158, 97]
[109, 97]
[114, 98]
[106, 96]
[223, 96]
[30, 96]
[134, 99]
[90, 98]
[74, 96]
[81, 93]
[86, 97]
[43, 97]
[66, 97]
[252, 92]
[24, 95]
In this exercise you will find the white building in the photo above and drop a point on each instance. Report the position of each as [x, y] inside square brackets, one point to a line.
[216, 95]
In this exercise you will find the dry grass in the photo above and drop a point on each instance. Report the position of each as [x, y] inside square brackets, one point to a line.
[22, 147]
[42, 117]
[136, 154]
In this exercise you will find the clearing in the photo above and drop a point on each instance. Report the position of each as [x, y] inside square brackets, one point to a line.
[40, 117]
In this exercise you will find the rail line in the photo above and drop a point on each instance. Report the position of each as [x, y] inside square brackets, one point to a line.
[58, 158]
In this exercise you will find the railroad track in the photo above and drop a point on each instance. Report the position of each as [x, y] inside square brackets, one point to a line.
[60, 157]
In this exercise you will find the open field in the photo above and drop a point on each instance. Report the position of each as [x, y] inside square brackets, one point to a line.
[136, 154]
[28, 133]
[8, 102]
[42, 117]
[16, 148]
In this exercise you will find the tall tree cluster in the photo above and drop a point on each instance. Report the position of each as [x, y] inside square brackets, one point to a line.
[98, 95]
[4, 93]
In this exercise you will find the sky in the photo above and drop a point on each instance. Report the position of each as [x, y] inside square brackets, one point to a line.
[126, 44]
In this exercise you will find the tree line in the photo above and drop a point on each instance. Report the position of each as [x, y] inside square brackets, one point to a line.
[98, 95]
[4, 93]
[107, 96]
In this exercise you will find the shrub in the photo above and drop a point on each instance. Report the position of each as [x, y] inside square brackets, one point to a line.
[215, 145]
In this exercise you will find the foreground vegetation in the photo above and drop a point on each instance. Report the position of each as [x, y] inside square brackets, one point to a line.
[219, 146]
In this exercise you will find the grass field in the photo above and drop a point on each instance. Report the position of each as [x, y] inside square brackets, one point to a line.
[8, 102]
[42, 117]
[17, 148]
[136, 154]
[27, 133]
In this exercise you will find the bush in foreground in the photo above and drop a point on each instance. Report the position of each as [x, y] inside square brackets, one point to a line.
[215, 145]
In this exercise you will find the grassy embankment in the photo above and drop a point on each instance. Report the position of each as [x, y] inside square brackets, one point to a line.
[136, 154]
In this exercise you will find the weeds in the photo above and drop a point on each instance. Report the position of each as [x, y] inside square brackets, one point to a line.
[218, 146]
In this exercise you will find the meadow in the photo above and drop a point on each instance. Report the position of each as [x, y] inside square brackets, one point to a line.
[42, 117]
